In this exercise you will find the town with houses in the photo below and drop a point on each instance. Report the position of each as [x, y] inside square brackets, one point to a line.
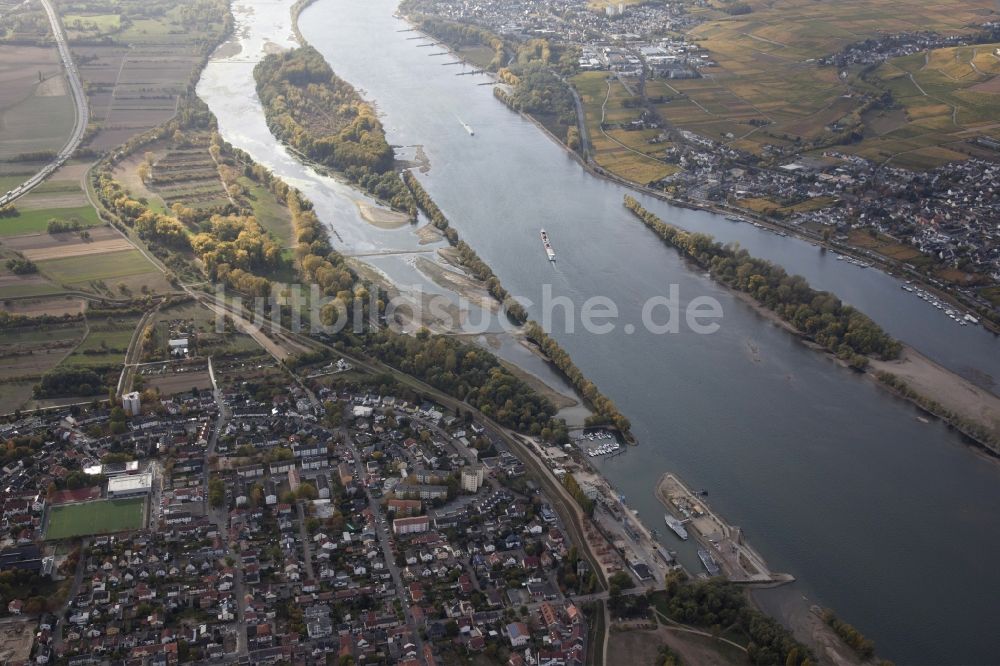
[949, 213]
[265, 524]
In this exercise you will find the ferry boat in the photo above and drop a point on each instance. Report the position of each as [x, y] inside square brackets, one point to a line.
[711, 566]
[675, 525]
[548, 246]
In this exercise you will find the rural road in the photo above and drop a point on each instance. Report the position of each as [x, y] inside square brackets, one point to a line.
[79, 101]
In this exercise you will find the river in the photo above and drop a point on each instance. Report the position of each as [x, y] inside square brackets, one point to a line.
[886, 519]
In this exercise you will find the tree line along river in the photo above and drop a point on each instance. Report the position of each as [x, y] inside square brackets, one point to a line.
[886, 519]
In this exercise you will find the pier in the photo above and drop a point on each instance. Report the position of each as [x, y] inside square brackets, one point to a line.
[738, 562]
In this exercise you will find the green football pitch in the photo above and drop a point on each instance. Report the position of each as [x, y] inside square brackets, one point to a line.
[101, 517]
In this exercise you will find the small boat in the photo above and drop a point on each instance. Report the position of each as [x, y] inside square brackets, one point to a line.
[548, 246]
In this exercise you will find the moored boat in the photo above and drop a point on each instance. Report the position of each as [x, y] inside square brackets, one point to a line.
[676, 525]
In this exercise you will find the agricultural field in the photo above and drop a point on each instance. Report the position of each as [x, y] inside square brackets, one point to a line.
[36, 109]
[149, 53]
[626, 153]
[767, 73]
[132, 90]
[188, 176]
[947, 97]
[35, 221]
[67, 521]
[26, 353]
[97, 259]
[122, 273]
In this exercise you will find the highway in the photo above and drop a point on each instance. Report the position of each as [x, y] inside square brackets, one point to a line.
[80, 102]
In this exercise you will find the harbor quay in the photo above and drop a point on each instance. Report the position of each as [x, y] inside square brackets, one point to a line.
[724, 549]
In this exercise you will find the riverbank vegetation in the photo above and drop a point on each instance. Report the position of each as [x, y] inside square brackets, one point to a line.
[538, 88]
[471, 374]
[533, 70]
[324, 118]
[463, 37]
[818, 315]
[847, 633]
[466, 255]
[722, 608]
[605, 410]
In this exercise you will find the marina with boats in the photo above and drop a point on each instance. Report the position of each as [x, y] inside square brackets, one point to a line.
[959, 317]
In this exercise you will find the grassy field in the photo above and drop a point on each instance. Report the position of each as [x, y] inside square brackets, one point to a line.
[105, 344]
[100, 517]
[76, 270]
[35, 221]
[767, 71]
[273, 216]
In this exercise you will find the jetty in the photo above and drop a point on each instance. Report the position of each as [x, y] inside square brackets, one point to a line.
[726, 544]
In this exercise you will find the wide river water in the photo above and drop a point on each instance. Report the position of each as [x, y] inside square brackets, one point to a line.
[890, 521]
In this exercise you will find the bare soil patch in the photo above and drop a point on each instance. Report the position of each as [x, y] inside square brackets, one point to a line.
[180, 382]
[16, 639]
[54, 86]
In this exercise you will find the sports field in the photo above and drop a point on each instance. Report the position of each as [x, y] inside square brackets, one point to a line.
[101, 517]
